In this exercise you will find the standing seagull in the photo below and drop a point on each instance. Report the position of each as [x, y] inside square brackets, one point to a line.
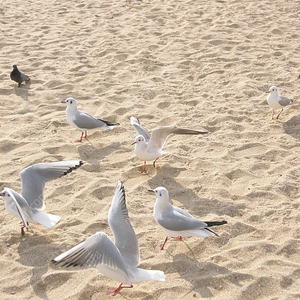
[149, 147]
[277, 101]
[28, 205]
[18, 76]
[117, 260]
[82, 120]
[176, 221]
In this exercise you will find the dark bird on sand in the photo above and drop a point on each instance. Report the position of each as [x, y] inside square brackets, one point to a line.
[17, 76]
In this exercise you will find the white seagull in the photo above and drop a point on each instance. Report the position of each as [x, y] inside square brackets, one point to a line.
[277, 101]
[117, 260]
[176, 221]
[149, 147]
[83, 120]
[28, 205]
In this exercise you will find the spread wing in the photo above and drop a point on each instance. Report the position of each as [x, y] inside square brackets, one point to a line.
[124, 235]
[140, 130]
[34, 179]
[96, 250]
[161, 134]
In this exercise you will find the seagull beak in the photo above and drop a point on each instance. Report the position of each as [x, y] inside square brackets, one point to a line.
[63, 101]
[268, 92]
[151, 191]
[133, 143]
[1, 194]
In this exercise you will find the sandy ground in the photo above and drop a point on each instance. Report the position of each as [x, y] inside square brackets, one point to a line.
[196, 64]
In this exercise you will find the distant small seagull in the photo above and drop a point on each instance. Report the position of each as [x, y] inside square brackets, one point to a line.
[117, 260]
[176, 221]
[149, 147]
[82, 120]
[18, 76]
[28, 205]
[277, 101]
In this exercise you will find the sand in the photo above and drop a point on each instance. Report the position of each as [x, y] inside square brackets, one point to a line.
[196, 64]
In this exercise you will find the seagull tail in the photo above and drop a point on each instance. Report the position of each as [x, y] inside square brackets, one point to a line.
[148, 275]
[46, 220]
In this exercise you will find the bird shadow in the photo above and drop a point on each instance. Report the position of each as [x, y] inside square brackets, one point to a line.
[35, 251]
[22, 91]
[292, 127]
[94, 155]
[204, 276]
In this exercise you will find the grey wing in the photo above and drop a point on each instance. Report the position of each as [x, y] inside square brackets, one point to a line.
[22, 207]
[177, 221]
[97, 249]
[139, 129]
[24, 77]
[34, 179]
[124, 235]
[161, 134]
[283, 101]
[86, 121]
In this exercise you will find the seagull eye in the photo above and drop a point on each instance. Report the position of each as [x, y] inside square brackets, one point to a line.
[71, 102]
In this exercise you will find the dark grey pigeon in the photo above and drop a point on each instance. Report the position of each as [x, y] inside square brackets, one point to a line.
[18, 76]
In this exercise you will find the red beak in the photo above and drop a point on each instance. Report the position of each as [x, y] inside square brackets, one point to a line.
[151, 191]
[268, 92]
[63, 101]
[133, 143]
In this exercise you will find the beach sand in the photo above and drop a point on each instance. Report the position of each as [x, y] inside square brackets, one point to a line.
[195, 64]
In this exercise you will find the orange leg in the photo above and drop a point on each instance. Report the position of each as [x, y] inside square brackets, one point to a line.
[155, 162]
[118, 289]
[144, 168]
[162, 246]
[272, 116]
[279, 113]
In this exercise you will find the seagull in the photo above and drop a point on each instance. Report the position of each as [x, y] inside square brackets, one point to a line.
[18, 76]
[176, 221]
[117, 260]
[82, 120]
[28, 205]
[149, 147]
[277, 101]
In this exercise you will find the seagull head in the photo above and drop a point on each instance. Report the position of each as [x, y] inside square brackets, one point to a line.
[5, 194]
[161, 194]
[273, 90]
[138, 139]
[71, 102]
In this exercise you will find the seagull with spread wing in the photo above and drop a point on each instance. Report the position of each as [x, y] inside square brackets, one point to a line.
[149, 146]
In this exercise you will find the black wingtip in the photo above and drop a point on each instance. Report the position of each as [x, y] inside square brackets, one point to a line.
[73, 168]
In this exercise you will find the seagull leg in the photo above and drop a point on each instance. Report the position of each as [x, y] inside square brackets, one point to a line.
[178, 238]
[118, 289]
[272, 116]
[155, 162]
[144, 168]
[85, 136]
[80, 140]
[162, 246]
[279, 113]
[22, 228]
